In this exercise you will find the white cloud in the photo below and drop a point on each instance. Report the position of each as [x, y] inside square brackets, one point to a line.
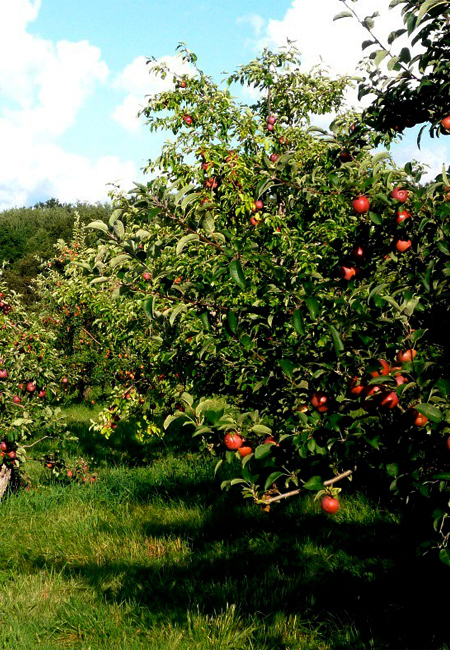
[320, 40]
[43, 86]
[34, 168]
[139, 80]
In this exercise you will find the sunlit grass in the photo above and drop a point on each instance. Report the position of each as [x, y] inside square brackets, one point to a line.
[153, 555]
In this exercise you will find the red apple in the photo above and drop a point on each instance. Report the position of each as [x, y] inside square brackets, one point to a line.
[12, 454]
[355, 387]
[344, 157]
[330, 505]
[3, 445]
[188, 119]
[245, 450]
[42, 393]
[146, 275]
[406, 355]
[361, 204]
[399, 194]
[233, 441]
[399, 380]
[270, 440]
[319, 401]
[419, 420]
[390, 400]
[31, 387]
[16, 399]
[385, 369]
[401, 216]
[448, 439]
[3, 374]
[274, 157]
[270, 127]
[347, 272]
[402, 245]
[370, 391]
[258, 205]
[446, 122]
[211, 182]
[271, 119]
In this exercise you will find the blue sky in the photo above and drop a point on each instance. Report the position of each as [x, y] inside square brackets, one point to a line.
[73, 74]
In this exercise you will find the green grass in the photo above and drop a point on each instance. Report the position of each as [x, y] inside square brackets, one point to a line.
[153, 555]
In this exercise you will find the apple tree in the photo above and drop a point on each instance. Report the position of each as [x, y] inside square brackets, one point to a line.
[31, 371]
[295, 286]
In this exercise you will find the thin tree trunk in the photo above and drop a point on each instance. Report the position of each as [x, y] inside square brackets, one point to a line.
[5, 475]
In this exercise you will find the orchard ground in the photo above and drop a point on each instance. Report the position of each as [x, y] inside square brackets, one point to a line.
[152, 555]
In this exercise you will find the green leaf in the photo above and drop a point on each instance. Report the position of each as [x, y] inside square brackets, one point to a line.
[313, 307]
[375, 218]
[444, 556]
[430, 411]
[232, 321]
[237, 274]
[287, 366]
[119, 229]
[405, 55]
[314, 483]
[175, 311]
[184, 190]
[262, 451]
[380, 55]
[149, 306]
[184, 240]
[337, 341]
[115, 215]
[343, 14]
[392, 469]
[118, 260]
[427, 5]
[99, 225]
[205, 321]
[392, 62]
[298, 322]
[260, 429]
[443, 247]
[188, 199]
[271, 479]
[442, 476]
[101, 280]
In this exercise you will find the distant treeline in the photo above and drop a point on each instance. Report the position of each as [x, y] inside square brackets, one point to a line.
[27, 234]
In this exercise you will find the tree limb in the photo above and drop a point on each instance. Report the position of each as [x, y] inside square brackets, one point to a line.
[294, 492]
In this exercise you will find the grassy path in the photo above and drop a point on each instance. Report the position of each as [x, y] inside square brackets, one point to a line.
[155, 557]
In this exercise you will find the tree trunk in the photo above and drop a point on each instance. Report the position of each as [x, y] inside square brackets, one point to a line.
[5, 475]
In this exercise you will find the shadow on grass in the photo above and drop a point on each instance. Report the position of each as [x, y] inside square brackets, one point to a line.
[123, 448]
[291, 561]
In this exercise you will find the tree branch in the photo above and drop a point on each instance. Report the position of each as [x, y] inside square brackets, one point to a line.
[294, 492]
